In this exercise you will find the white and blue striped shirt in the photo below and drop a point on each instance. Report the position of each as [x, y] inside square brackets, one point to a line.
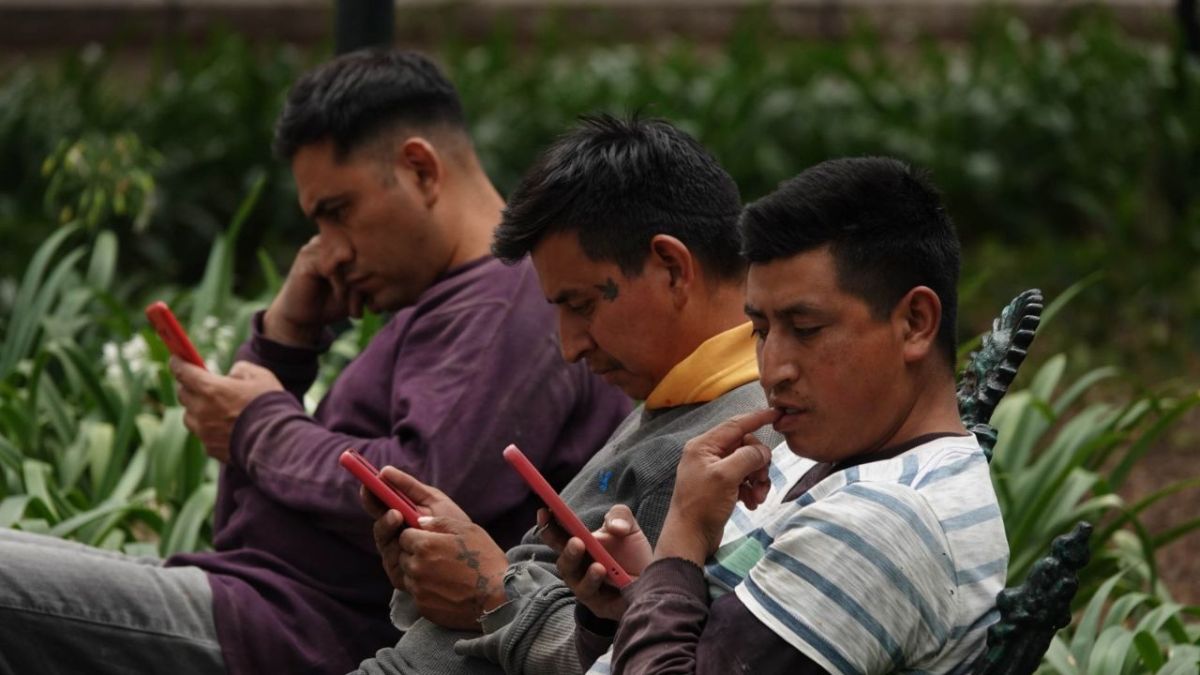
[888, 566]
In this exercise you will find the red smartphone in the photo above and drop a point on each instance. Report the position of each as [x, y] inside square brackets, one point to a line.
[355, 463]
[172, 333]
[565, 516]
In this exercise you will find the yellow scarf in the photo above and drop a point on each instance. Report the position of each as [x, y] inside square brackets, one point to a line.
[721, 363]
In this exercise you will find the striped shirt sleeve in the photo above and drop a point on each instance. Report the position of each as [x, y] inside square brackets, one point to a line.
[861, 581]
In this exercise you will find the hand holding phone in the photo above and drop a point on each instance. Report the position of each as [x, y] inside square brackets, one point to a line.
[355, 463]
[567, 518]
[176, 339]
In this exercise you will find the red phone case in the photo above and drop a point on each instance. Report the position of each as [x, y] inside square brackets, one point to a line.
[358, 465]
[565, 516]
[172, 333]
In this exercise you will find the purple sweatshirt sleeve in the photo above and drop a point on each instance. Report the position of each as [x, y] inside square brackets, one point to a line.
[296, 367]
[670, 628]
[458, 381]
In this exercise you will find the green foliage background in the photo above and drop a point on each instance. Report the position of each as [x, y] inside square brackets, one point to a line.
[1059, 158]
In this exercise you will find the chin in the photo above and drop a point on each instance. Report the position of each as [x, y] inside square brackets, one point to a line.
[804, 447]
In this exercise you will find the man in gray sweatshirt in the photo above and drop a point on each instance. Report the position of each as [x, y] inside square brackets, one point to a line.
[631, 226]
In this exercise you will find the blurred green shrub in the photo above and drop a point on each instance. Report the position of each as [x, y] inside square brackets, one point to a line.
[1058, 157]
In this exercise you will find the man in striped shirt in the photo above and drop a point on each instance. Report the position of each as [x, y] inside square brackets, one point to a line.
[885, 549]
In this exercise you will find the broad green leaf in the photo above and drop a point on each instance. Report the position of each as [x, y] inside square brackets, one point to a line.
[23, 316]
[113, 541]
[99, 437]
[73, 461]
[1114, 649]
[36, 475]
[33, 525]
[1145, 502]
[269, 271]
[1144, 441]
[61, 415]
[1122, 607]
[1047, 378]
[1148, 651]
[1058, 657]
[1081, 386]
[104, 260]
[135, 470]
[184, 535]
[84, 365]
[12, 509]
[70, 525]
[167, 449]
[122, 438]
[141, 549]
[1087, 627]
[1155, 619]
[10, 456]
[216, 285]
[22, 334]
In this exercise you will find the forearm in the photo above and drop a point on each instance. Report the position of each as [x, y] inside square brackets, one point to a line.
[670, 628]
[661, 628]
[292, 458]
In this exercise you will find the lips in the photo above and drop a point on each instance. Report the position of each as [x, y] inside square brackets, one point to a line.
[791, 416]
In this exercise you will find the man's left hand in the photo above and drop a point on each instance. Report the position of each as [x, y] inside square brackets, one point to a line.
[453, 570]
[213, 402]
[718, 468]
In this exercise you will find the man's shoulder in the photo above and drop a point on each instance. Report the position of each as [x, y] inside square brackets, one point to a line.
[676, 426]
[484, 291]
[484, 281]
[703, 416]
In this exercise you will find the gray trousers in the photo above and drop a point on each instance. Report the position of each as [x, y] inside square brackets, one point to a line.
[70, 608]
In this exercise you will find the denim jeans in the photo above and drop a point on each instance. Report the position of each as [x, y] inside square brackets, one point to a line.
[70, 608]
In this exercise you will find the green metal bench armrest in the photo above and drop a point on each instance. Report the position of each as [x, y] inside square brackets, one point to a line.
[1030, 614]
[990, 370]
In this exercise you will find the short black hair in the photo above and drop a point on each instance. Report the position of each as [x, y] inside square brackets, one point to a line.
[885, 226]
[618, 183]
[358, 95]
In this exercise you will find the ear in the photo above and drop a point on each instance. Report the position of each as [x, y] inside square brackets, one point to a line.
[418, 156]
[917, 318]
[679, 266]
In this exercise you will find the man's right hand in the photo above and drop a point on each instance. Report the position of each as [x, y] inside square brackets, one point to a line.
[621, 536]
[313, 296]
[389, 524]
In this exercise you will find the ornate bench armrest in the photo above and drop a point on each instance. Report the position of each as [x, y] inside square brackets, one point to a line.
[1030, 614]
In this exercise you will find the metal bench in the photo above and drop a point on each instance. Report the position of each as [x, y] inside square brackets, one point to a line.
[1032, 612]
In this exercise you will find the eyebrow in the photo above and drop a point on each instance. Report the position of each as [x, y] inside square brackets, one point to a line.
[324, 205]
[795, 309]
[565, 296]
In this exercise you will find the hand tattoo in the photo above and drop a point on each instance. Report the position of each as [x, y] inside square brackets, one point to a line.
[483, 583]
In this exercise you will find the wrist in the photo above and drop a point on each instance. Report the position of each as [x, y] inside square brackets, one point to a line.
[681, 539]
[278, 328]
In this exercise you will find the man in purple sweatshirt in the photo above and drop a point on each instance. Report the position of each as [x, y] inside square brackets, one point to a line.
[469, 362]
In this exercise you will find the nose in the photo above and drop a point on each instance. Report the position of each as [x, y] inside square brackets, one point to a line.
[573, 336]
[336, 250]
[776, 366]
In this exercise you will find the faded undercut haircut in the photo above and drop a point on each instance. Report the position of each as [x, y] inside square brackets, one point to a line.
[617, 183]
[356, 97]
[884, 224]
